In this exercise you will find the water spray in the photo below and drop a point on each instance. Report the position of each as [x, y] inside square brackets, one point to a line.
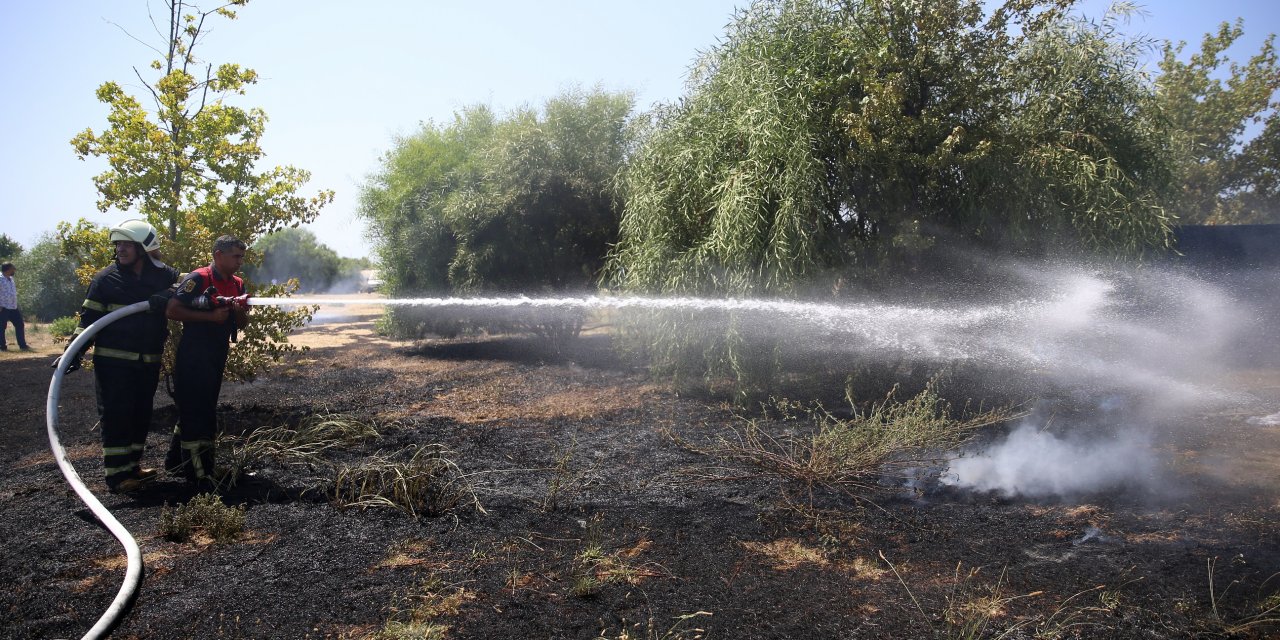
[918, 331]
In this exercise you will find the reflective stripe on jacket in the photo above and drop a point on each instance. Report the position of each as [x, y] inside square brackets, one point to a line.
[108, 352]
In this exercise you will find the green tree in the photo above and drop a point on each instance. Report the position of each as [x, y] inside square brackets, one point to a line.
[189, 166]
[523, 203]
[47, 283]
[1259, 201]
[542, 215]
[825, 135]
[405, 200]
[824, 142]
[9, 248]
[1225, 178]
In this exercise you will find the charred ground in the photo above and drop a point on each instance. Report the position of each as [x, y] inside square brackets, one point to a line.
[597, 522]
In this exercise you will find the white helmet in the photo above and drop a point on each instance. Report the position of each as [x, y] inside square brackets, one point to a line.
[139, 231]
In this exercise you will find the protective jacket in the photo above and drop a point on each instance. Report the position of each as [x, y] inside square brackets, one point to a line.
[194, 285]
[126, 358]
[137, 338]
[197, 376]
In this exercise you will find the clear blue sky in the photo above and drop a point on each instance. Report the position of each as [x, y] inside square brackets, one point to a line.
[340, 79]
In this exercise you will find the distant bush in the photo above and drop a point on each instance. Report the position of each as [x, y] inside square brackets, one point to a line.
[48, 287]
[295, 253]
[9, 248]
[63, 328]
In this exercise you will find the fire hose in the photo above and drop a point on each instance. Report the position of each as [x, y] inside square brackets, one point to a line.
[133, 574]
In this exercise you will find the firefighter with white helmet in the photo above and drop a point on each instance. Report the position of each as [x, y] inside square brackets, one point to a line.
[139, 231]
[127, 352]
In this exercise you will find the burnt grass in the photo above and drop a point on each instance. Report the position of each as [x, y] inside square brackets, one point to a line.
[598, 522]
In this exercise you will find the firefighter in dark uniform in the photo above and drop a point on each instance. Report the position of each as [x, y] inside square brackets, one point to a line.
[212, 305]
[127, 352]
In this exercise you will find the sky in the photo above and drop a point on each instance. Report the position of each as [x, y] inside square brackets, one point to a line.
[340, 80]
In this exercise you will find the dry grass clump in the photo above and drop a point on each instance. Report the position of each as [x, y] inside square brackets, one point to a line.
[595, 567]
[315, 435]
[1264, 612]
[652, 631]
[974, 608]
[418, 480]
[418, 615]
[205, 514]
[564, 482]
[847, 452]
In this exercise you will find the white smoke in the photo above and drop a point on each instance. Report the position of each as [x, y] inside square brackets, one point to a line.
[1035, 463]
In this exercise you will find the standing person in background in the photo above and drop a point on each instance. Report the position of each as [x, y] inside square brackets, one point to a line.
[127, 352]
[9, 311]
[212, 305]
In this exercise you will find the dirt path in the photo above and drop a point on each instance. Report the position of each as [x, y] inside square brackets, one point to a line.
[596, 521]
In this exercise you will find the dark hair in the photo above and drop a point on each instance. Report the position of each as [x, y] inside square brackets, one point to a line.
[226, 243]
[5, 267]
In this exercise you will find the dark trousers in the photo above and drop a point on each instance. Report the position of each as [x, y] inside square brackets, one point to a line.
[125, 392]
[197, 381]
[19, 329]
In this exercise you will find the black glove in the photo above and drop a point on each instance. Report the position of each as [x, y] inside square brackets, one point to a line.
[72, 364]
[158, 302]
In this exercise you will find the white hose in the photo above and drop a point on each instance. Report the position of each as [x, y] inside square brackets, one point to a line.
[133, 575]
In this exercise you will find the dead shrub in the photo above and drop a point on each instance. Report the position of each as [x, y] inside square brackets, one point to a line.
[315, 435]
[847, 452]
[418, 480]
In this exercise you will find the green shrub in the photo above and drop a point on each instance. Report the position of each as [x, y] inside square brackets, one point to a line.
[63, 328]
[203, 513]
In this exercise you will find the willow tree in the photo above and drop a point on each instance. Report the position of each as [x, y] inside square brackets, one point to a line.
[824, 142]
[826, 134]
[189, 165]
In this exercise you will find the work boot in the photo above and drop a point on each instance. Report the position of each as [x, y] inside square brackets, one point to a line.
[128, 485]
[137, 481]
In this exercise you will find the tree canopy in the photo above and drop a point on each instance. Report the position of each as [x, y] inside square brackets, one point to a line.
[1211, 111]
[824, 140]
[521, 202]
[189, 165]
[47, 284]
[9, 248]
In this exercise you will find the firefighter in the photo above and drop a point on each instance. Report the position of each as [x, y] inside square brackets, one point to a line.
[127, 352]
[212, 305]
